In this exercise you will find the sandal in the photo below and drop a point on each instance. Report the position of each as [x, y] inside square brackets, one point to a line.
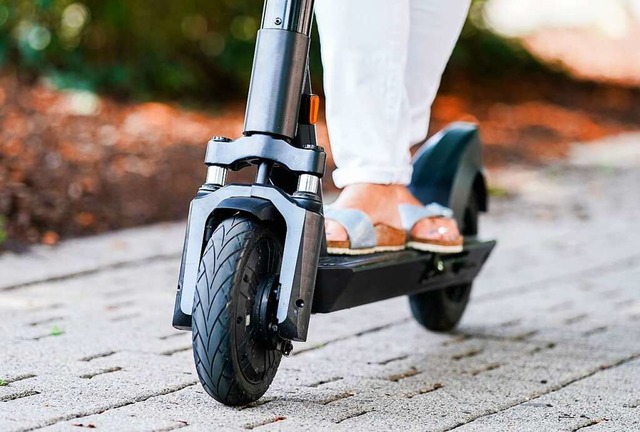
[364, 236]
[440, 240]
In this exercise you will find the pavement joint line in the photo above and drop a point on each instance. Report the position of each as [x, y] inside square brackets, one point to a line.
[354, 415]
[101, 410]
[124, 317]
[259, 402]
[19, 395]
[91, 271]
[487, 368]
[45, 321]
[19, 378]
[575, 319]
[553, 389]
[97, 356]
[325, 381]
[595, 330]
[588, 424]
[392, 360]
[270, 420]
[466, 354]
[336, 398]
[173, 335]
[176, 350]
[101, 372]
[181, 424]
[412, 371]
[423, 390]
[466, 336]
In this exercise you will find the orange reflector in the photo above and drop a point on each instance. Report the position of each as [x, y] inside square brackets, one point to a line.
[314, 108]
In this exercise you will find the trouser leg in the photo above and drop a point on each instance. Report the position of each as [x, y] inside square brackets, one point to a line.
[368, 49]
[434, 30]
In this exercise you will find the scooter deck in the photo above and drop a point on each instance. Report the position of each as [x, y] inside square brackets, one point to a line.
[348, 281]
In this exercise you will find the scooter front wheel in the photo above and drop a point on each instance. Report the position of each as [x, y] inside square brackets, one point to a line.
[234, 311]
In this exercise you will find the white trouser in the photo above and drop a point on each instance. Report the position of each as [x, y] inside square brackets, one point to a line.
[383, 60]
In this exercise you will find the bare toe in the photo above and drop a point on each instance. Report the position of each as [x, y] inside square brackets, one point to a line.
[335, 232]
[436, 228]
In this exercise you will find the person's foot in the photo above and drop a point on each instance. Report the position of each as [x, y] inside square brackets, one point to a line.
[435, 234]
[380, 203]
[382, 221]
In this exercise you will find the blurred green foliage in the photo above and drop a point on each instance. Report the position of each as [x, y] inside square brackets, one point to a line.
[487, 55]
[3, 234]
[141, 48]
[187, 49]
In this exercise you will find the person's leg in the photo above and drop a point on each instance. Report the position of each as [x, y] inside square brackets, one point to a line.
[364, 54]
[434, 31]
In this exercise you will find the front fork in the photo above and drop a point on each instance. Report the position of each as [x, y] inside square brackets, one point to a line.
[276, 135]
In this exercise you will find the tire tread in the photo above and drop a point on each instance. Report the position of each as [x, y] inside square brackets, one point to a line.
[212, 341]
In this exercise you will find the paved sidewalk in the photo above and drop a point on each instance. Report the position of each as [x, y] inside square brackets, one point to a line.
[551, 340]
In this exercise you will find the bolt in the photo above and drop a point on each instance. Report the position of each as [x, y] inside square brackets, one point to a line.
[274, 328]
[440, 265]
[278, 21]
[287, 347]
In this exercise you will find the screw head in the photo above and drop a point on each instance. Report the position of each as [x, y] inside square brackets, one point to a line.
[221, 139]
[278, 21]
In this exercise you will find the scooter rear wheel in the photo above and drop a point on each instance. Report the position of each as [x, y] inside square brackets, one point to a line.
[441, 310]
[234, 310]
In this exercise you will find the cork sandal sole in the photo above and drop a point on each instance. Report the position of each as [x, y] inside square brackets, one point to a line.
[389, 239]
[435, 248]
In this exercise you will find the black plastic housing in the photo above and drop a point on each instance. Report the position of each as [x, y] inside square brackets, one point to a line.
[348, 281]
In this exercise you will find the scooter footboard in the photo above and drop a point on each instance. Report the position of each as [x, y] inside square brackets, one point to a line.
[348, 281]
[303, 232]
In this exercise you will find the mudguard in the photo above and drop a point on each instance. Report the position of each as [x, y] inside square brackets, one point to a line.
[303, 231]
[448, 167]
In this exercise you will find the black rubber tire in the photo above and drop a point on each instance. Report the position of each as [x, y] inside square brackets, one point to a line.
[233, 365]
[441, 310]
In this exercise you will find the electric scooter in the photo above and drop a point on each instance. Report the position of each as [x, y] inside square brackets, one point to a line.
[255, 264]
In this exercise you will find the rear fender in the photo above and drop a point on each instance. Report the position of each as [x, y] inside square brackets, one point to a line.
[448, 167]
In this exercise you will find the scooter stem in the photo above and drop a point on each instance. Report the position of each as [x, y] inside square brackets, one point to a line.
[279, 67]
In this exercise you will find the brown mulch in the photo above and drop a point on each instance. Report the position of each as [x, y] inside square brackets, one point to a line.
[71, 166]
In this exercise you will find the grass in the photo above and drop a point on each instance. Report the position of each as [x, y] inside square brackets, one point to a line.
[3, 232]
[498, 192]
[56, 331]
[3, 383]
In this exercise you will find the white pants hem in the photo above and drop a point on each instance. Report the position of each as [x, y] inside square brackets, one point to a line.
[344, 177]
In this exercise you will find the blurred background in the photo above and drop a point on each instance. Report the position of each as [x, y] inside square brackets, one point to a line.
[106, 105]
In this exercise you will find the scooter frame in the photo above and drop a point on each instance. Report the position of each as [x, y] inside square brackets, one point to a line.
[280, 140]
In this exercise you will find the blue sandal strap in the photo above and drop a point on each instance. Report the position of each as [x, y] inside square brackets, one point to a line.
[411, 214]
[361, 232]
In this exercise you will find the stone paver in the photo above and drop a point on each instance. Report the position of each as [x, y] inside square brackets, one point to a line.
[551, 340]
